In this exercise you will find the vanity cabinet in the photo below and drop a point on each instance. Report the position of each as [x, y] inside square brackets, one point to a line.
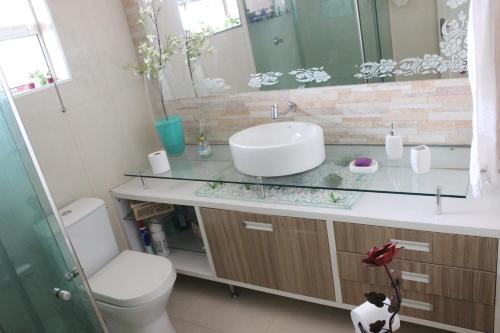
[478, 253]
[282, 253]
[447, 278]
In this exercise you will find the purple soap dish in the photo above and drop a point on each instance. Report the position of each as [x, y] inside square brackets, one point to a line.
[363, 162]
[363, 165]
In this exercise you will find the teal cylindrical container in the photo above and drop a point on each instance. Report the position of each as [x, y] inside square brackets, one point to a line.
[171, 133]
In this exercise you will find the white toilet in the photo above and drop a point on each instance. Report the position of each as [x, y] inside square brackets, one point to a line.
[131, 288]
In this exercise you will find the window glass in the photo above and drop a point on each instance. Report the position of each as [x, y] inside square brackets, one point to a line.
[23, 62]
[217, 15]
[29, 57]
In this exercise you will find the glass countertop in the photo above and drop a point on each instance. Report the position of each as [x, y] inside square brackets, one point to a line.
[449, 171]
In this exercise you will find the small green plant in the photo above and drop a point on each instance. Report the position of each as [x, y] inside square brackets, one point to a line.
[39, 77]
[231, 22]
[154, 61]
[334, 180]
[334, 198]
[219, 181]
[198, 43]
[155, 50]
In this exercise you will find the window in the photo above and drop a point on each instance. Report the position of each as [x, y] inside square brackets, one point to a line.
[217, 15]
[30, 52]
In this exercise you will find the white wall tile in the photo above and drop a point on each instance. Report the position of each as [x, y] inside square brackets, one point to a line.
[107, 129]
[59, 158]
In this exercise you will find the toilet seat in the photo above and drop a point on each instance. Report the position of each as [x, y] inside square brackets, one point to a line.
[133, 279]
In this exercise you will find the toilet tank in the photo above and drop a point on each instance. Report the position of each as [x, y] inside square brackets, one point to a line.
[89, 229]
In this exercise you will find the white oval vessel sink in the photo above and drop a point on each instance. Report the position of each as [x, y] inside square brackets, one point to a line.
[278, 149]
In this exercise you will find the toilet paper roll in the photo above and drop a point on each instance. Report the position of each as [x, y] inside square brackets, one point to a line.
[159, 162]
[367, 314]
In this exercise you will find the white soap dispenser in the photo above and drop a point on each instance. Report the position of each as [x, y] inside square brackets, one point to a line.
[394, 145]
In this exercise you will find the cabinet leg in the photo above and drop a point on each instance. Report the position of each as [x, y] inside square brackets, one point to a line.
[439, 200]
[233, 291]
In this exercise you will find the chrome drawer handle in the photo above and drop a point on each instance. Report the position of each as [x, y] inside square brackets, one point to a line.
[258, 226]
[412, 246]
[416, 277]
[417, 305]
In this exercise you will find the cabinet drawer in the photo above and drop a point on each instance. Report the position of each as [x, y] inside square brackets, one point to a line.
[479, 253]
[474, 316]
[457, 283]
[283, 253]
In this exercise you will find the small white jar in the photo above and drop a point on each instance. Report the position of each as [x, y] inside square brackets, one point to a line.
[421, 159]
[159, 240]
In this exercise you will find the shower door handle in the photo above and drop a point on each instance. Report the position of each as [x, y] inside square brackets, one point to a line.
[61, 294]
[277, 40]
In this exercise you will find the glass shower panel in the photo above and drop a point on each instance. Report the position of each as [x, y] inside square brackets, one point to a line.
[376, 32]
[34, 257]
[329, 37]
[273, 35]
[293, 36]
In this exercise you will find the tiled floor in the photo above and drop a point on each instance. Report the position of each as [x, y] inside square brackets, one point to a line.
[199, 306]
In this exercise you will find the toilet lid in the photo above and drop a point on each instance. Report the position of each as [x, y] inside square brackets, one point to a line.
[132, 279]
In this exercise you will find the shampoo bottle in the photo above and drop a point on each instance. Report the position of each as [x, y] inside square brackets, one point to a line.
[146, 239]
[394, 145]
[159, 240]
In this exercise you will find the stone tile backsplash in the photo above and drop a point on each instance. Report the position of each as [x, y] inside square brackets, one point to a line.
[424, 112]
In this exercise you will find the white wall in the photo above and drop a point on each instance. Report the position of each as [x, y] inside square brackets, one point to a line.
[414, 31]
[108, 127]
[228, 46]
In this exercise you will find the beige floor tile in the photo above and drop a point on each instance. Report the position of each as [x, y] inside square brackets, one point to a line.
[197, 304]
[212, 306]
[187, 291]
[298, 316]
[182, 326]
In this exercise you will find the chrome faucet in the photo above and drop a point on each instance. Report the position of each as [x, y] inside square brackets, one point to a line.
[275, 111]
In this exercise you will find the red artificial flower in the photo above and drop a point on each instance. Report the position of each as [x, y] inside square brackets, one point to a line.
[382, 256]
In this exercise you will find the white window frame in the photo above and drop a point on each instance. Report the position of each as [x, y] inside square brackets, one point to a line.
[62, 73]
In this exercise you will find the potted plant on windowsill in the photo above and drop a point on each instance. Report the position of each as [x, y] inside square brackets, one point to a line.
[39, 78]
[156, 53]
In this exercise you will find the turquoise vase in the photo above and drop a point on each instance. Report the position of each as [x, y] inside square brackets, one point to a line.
[171, 134]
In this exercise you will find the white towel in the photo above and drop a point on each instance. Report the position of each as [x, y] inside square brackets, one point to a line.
[484, 77]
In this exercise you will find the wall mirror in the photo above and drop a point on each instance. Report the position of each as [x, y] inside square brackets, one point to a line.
[259, 45]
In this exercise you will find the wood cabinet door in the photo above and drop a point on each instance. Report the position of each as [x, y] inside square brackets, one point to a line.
[457, 283]
[238, 254]
[283, 253]
[474, 316]
[477, 253]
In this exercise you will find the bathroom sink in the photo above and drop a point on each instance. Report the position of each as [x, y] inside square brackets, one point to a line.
[278, 149]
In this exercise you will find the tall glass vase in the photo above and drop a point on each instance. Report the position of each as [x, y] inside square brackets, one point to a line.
[199, 79]
[165, 83]
[171, 134]
[169, 127]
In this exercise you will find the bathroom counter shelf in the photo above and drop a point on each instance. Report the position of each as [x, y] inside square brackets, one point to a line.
[187, 249]
[449, 171]
[185, 240]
